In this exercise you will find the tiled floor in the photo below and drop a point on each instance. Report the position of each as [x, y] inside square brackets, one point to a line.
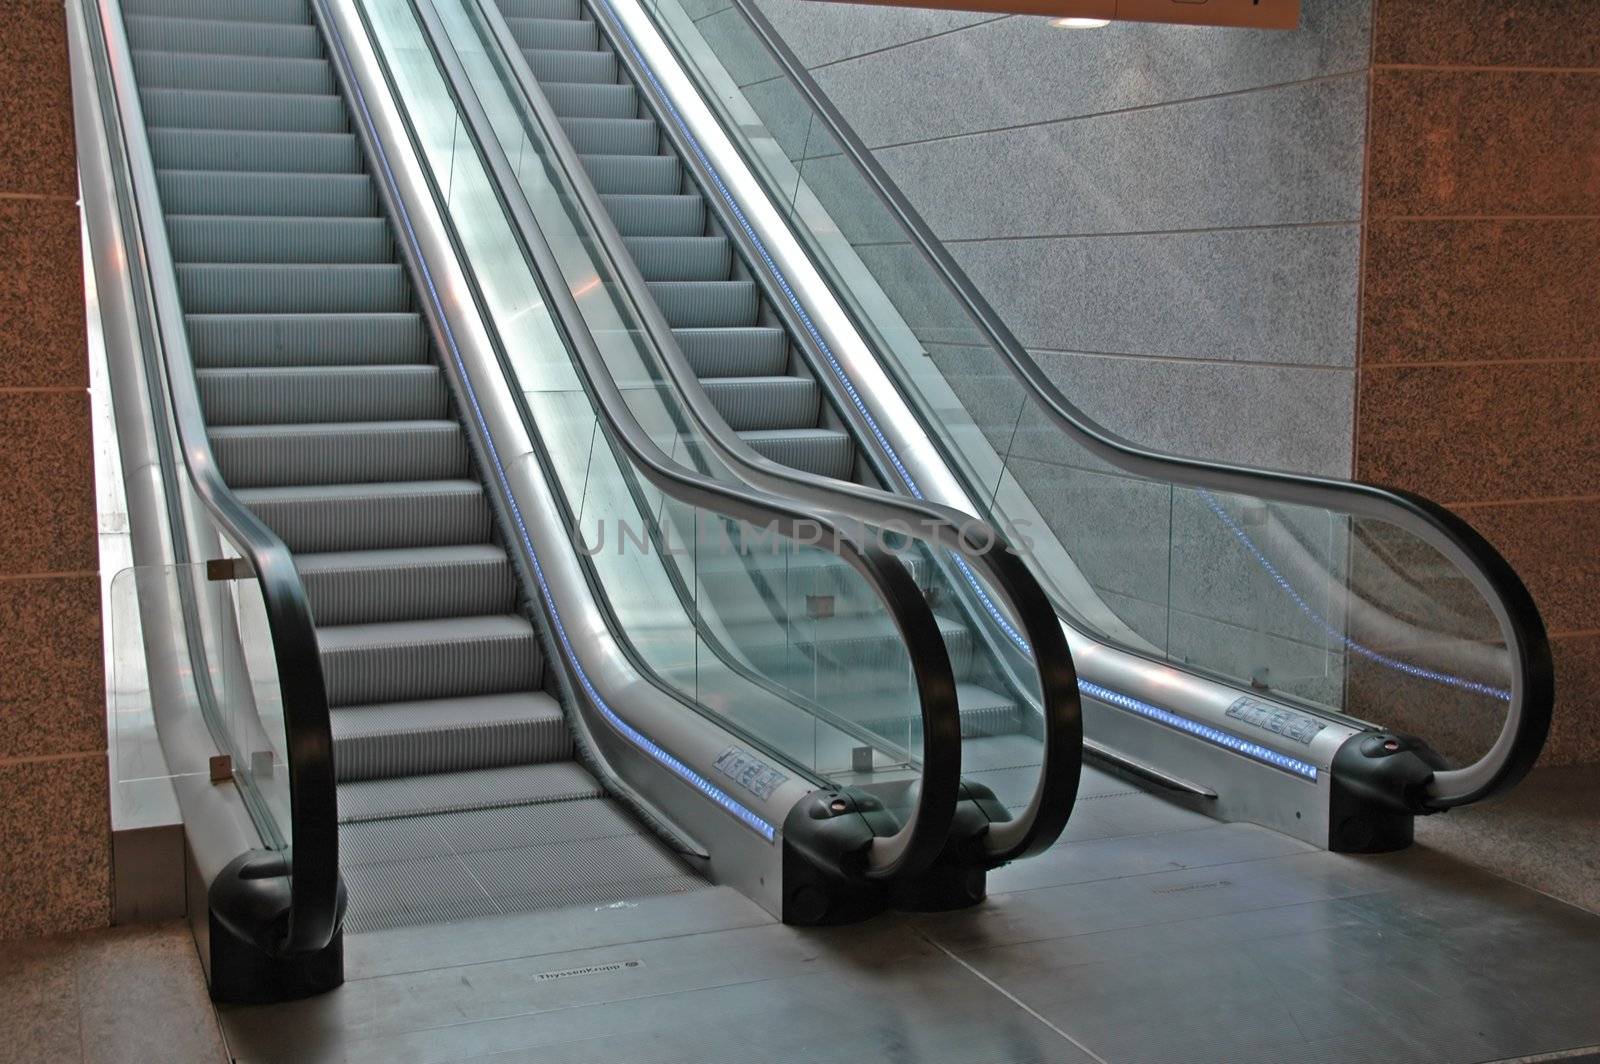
[130, 995]
[1151, 934]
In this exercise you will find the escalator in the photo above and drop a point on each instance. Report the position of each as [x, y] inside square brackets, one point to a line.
[368, 437]
[1325, 658]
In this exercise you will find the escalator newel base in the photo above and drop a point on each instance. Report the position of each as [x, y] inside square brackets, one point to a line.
[959, 878]
[1380, 782]
[249, 906]
[825, 841]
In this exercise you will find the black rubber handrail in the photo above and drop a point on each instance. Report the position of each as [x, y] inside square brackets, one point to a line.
[1533, 687]
[921, 841]
[312, 860]
[970, 539]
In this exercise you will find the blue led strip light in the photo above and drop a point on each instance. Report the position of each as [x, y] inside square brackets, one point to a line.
[634, 735]
[1190, 727]
[1226, 740]
[1356, 648]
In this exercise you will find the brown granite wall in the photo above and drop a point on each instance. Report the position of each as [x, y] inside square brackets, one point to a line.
[54, 819]
[1479, 364]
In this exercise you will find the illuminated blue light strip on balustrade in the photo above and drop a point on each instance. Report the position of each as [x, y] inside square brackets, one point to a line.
[634, 735]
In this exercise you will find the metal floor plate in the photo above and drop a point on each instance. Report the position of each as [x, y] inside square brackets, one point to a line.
[1151, 934]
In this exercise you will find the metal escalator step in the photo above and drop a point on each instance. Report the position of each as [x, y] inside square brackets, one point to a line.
[249, 151]
[277, 239]
[849, 656]
[764, 402]
[825, 452]
[293, 12]
[233, 73]
[231, 110]
[311, 394]
[659, 175]
[681, 258]
[257, 288]
[228, 340]
[403, 661]
[209, 36]
[706, 304]
[984, 714]
[361, 587]
[393, 739]
[541, 8]
[306, 195]
[590, 100]
[746, 352]
[254, 456]
[639, 215]
[551, 64]
[613, 136]
[337, 517]
[560, 34]
[490, 788]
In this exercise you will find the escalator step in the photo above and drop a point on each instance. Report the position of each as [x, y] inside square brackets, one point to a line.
[752, 352]
[339, 517]
[233, 73]
[293, 12]
[240, 238]
[541, 8]
[589, 100]
[209, 36]
[637, 215]
[256, 288]
[706, 304]
[367, 586]
[306, 195]
[246, 151]
[681, 258]
[449, 657]
[256, 456]
[550, 64]
[228, 340]
[301, 394]
[659, 175]
[398, 739]
[825, 452]
[613, 136]
[557, 34]
[230, 110]
[490, 788]
[764, 402]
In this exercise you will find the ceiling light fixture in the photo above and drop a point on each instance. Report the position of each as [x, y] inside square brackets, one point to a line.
[1073, 23]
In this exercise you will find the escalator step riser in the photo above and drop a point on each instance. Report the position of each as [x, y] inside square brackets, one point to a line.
[567, 66]
[657, 215]
[358, 522]
[752, 352]
[541, 8]
[559, 34]
[587, 100]
[301, 195]
[292, 12]
[276, 397]
[239, 239]
[422, 670]
[410, 592]
[613, 136]
[233, 73]
[292, 456]
[647, 175]
[262, 289]
[214, 37]
[244, 111]
[252, 152]
[681, 258]
[457, 749]
[229, 340]
[830, 454]
[766, 403]
[706, 304]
